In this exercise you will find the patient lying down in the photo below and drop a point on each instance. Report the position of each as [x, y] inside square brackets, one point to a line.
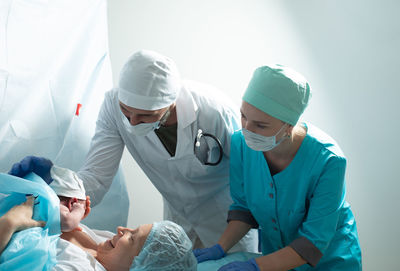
[116, 253]
[158, 246]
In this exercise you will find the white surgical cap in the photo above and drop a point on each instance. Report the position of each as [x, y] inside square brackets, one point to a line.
[167, 248]
[66, 183]
[148, 81]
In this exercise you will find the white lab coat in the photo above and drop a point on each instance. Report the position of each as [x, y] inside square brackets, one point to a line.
[196, 196]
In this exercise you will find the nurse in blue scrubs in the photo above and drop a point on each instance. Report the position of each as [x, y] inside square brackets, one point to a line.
[288, 180]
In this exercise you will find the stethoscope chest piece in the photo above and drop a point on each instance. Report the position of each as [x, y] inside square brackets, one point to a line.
[208, 148]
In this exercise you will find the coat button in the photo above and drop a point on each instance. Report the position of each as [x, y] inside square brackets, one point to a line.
[273, 220]
[271, 195]
[275, 229]
[272, 185]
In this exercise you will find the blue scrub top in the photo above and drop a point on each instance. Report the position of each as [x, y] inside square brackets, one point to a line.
[305, 200]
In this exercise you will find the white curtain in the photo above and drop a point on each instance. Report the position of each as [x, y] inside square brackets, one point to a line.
[54, 71]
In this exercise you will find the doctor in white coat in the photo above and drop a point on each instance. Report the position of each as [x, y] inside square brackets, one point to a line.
[158, 117]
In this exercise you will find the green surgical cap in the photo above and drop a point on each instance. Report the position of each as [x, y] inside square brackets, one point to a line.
[278, 91]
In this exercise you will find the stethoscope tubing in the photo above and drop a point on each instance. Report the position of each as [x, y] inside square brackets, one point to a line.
[221, 153]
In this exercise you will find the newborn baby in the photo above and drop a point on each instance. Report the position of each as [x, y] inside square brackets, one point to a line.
[69, 189]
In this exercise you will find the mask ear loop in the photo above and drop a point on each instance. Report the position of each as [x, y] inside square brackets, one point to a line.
[283, 137]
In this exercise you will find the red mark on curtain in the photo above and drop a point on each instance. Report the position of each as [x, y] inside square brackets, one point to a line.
[78, 107]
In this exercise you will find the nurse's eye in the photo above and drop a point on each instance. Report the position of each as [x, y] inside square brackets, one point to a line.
[261, 126]
[242, 116]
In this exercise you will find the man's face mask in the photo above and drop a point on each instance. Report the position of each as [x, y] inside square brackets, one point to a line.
[261, 143]
[143, 129]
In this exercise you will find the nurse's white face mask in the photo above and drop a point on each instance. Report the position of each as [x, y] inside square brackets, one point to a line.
[143, 129]
[261, 143]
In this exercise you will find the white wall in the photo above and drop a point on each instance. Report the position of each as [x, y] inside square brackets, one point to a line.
[348, 50]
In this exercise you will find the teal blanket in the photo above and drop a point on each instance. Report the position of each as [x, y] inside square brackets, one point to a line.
[215, 265]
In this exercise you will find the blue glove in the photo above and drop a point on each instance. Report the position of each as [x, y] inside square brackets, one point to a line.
[211, 253]
[250, 265]
[39, 165]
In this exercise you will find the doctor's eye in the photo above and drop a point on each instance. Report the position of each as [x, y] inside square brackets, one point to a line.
[242, 116]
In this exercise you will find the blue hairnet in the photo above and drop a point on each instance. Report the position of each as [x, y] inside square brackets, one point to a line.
[167, 248]
[33, 248]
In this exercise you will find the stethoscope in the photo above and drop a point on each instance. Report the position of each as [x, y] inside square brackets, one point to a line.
[197, 145]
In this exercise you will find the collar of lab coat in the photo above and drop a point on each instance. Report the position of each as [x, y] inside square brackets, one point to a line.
[186, 107]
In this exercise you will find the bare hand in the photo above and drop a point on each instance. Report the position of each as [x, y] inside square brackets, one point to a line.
[87, 209]
[20, 216]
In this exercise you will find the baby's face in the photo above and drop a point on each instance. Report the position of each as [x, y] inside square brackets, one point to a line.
[72, 211]
[68, 202]
[118, 253]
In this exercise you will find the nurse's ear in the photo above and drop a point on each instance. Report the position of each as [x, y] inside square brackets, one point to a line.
[289, 131]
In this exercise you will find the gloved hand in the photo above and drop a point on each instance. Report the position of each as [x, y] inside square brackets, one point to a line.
[250, 265]
[211, 253]
[39, 165]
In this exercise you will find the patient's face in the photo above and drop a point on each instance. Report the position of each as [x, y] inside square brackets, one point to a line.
[118, 253]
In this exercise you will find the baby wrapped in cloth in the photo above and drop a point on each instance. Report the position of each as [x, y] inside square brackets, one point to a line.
[165, 245]
[71, 192]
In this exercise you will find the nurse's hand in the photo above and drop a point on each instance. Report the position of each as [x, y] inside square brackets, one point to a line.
[211, 253]
[250, 265]
[38, 165]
